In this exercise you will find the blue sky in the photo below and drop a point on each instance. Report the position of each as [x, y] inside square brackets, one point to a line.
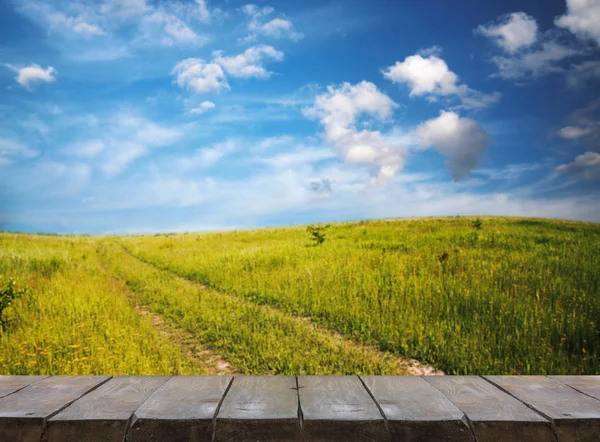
[121, 116]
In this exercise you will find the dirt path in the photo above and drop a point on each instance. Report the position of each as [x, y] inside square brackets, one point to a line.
[410, 366]
[200, 356]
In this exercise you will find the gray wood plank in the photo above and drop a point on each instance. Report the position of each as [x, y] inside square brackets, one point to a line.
[10, 384]
[589, 385]
[416, 411]
[181, 410]
[494, 415]
[23, 414]
[576, 417]
[339, 408]
[103, 415]
[259, 408]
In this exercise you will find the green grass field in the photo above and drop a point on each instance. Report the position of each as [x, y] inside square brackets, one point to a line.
[514, 296]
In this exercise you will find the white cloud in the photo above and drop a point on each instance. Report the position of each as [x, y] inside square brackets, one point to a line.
[124, 9]
[527, 53]
[121, 139]
[581, 74]
[75, 24]
[248, 64]
[510, 172]
[12, 150]
[85, 149]
[574, 132]
[87, 29]
[584, 125]
[195, 74]
[253, 10]
[582, 18]
[174, 30]
[511, 32]
[430, 75]
[31, 75]
[270, 143]
[586, 165]
[203, 10]
[205, 106]
[534, 63]
[121, 156]
[338, 110]
[297, 158]
[206, 157]
[277, 27]
[462, 140]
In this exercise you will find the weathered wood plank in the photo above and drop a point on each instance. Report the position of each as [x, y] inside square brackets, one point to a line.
[10, 384]
[416, 411]
[576, 417]
[589, 385]
[339, 408]
[23, 414]
[494, 415]
[103, 415]
[263, 408]
[181, 410]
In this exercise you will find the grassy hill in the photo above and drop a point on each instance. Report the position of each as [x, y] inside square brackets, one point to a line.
[503, 296]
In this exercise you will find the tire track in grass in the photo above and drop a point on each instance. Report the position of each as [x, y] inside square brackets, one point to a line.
[392, 364]
[210, 362]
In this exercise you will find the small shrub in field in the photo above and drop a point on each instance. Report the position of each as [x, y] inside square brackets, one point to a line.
[478, 224]
[317, 233]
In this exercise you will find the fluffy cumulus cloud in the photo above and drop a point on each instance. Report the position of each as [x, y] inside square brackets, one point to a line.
[586, 166]
[462, 140]
[427, 74]
[512, 31]
[32, 75]
[261, 23]
[248, 64]
[196, 75]
[339, 110]
[582, 18]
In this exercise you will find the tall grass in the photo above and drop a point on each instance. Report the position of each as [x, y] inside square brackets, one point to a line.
[516, 296]
[255, 340]
[73, 319]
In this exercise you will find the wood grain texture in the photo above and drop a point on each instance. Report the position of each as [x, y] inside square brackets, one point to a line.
[416, 411]
[589, 385]
[494, 415]
[181, 410]
[10, 384]
[262, 408]
[23, 414]
[576, 417]
[103, 415]
[339, 408]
